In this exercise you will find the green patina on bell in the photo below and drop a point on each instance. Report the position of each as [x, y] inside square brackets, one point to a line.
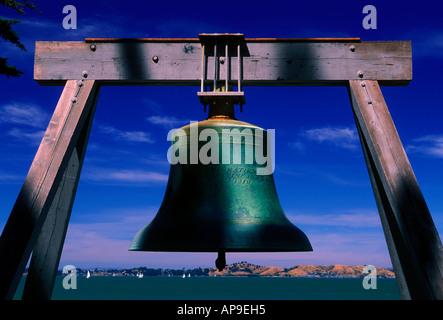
[223, 207]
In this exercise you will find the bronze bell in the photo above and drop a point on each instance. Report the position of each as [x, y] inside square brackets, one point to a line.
[224, 207]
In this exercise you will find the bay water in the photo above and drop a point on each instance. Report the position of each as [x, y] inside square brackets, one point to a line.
[221, 288]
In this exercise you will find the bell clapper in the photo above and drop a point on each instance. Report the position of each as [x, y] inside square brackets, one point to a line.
[220, 262]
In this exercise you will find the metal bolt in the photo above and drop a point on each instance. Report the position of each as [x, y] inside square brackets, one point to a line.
[222, 60]
[360, 74]
[74, 99]
[85, 74]
[363, 84]
[80, 83]
[93, 47]
[368, 101]
[155, 59]
[352, 47]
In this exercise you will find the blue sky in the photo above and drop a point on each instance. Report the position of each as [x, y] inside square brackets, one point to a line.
[320, 174]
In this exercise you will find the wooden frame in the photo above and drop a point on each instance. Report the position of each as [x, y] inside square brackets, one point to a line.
[40, 217]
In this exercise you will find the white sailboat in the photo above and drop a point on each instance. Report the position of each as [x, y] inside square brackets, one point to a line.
[184, 276]
[140, 275]
[88, 275]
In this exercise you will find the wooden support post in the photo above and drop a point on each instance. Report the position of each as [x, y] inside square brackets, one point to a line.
[48, 248]
[413, 241]
[42, 182]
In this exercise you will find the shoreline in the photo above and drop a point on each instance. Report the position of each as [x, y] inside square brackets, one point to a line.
[241, 269]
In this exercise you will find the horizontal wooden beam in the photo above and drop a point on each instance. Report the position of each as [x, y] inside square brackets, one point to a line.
[198, 40]
[265, 62]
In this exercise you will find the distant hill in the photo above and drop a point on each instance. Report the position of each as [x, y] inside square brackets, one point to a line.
[245, 269]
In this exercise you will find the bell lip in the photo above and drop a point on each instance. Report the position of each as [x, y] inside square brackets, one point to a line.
[276, 237]
[304, 246]
[221, 249]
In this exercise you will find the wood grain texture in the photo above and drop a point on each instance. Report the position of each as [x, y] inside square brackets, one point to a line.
[352, 39]
[42, 181]
[48, 248]
[413, 241]
[265, 63]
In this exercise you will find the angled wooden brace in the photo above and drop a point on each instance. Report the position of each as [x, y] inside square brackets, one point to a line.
[48, 248]
[47, 194]
[413, 241]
